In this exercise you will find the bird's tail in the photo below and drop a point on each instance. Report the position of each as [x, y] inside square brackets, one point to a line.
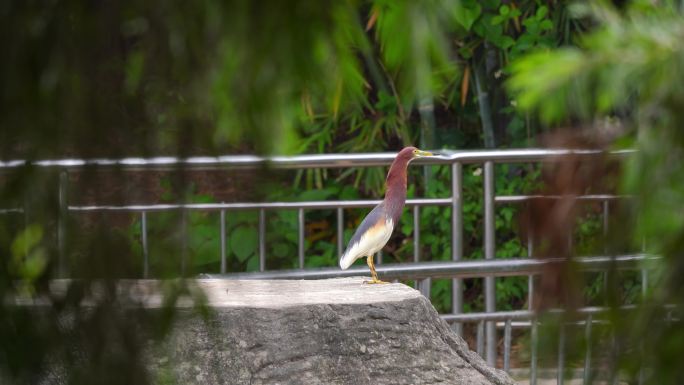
[346, 260]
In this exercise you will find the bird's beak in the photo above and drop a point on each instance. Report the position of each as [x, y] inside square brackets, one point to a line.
[424, 153]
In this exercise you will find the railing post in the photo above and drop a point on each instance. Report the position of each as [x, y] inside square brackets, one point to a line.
[300, 237]
[416, 233]
[489, 252]
[424, 286]
[530, 278]
[416, 237]
[184, 241]
[533, 353]
[457, 239]
[605, 215]
[507, 346]
[561, 355]
[222, 237]
[479, 344]
[262, 240]
[24, 210]
[340, 232]
[644, 273]
[587, 353]
[62, 223]
[143, 238]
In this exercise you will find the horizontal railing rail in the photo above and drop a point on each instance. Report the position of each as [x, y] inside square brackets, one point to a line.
[321, 204]
[455, 269]
[527, 315]
[311, 161]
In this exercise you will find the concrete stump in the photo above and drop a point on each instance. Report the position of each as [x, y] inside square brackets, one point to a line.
[335, 331]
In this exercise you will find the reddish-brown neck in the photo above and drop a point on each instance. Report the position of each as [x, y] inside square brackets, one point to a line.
[395, 196]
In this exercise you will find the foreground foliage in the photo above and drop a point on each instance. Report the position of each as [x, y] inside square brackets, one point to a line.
[630, 68]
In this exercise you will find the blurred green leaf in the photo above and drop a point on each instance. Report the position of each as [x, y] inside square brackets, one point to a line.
[466, 12]
[243, 242]
[26, 241]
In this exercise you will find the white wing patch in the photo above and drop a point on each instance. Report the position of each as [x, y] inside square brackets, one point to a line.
[373, 240]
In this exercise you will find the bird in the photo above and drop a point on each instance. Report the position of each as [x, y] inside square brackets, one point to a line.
[376, 228]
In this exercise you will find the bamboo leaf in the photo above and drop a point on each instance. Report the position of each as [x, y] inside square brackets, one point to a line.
[373, 18]
[464, 85]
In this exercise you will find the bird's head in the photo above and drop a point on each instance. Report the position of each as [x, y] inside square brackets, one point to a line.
[411, 153]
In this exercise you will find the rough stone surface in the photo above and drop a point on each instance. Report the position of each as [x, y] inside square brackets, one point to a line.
[336, 331]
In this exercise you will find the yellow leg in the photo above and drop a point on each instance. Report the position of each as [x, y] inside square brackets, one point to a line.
[374, 275]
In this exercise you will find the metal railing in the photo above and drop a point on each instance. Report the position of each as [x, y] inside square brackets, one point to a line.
[456, 269]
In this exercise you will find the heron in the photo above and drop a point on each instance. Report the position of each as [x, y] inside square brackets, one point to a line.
[376, 228]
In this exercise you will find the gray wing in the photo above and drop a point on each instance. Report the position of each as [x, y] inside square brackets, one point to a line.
[376, 215]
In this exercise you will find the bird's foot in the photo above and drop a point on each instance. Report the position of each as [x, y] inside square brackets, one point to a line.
[374, 281]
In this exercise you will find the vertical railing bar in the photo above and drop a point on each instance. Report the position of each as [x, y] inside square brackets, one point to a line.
[222, 237]
[530, 292]
[587, 354]
[644, 283]
[561, 355]
[300, 238]
[378, 258]
[644, 292]
[416, 237]
[530, 248]
[262, 239]
[530, 278]
[533, 354]
[644, 273]
[184, 241]
[489, 246]
[143, 236]
[424, 286]
[26, 223]
[416, 233]
[605, 214]
[480, 339]
[642, 374]
[340, 232]
[457, 239]
[507, 346]
[614, 361]
[61, 223]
